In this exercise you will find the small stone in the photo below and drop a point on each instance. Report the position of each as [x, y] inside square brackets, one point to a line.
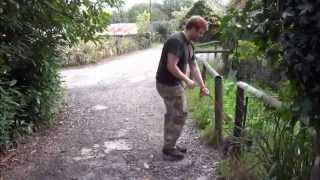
[146, 165]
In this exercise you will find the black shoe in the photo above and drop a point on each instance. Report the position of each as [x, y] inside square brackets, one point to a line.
[181, 149]
[172, 154]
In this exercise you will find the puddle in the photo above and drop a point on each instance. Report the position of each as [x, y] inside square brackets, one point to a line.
[99, 107]
[116, 145]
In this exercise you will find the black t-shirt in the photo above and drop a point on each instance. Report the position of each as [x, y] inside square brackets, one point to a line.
[178, 45]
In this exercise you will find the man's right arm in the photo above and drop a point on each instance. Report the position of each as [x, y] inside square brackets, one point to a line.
[172, 65]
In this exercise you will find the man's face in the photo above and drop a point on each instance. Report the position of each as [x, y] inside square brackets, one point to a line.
[196, 34]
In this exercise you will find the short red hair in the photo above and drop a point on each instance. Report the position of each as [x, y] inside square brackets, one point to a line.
[196, 22]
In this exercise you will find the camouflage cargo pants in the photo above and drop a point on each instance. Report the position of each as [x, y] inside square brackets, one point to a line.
[176, 112]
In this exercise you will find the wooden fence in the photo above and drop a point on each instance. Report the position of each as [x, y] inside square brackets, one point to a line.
[242, 87]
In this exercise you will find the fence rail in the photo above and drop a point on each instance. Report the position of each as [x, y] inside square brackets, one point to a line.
[241, 108]
[218, 91]
[218, 100]
[240, 112]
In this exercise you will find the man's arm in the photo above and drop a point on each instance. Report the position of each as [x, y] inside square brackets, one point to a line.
[172, 65]
[194, 69]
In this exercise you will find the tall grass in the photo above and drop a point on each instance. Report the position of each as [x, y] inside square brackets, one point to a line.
[202, 108]
[276, 146]
[90, 52]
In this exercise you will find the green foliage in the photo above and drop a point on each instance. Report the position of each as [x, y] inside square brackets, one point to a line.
[137, 9]
[276, 140]
[143, 21]
[157, 12]
[203, 111]
[30, 32]
[9, 104]
[252, 32]
[89, 52]
[178, 17]
[244, 168]
[201, 107]
[257, 23]
[281, 144]
[247, 50]
[171, 6]
[270, 138]
[301, 46]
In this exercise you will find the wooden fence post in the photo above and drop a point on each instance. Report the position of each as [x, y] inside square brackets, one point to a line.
[204, 73]
[315, 172]
[219, 115]
[238, 119]
[227, 64]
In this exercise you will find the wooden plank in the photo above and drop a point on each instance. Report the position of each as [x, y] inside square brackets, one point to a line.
[239, 112]
[210, 70]
[219, 110]
[271, 101]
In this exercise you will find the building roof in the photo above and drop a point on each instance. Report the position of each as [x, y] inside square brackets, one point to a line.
[122, 29]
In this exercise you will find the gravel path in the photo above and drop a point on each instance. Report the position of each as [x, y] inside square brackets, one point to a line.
[111, 129]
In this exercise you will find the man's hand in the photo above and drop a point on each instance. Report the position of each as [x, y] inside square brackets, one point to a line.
[190, 83]
[204, 91]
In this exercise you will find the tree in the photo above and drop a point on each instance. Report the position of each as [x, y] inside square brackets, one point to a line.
[170, 6]
[157, 13]
[30, 33]
[301, 46]
[143, 21]
[120, 16]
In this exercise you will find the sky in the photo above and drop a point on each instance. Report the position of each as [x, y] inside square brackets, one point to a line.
[129, 3]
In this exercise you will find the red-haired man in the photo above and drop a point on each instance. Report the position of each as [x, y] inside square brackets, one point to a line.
[177, 53]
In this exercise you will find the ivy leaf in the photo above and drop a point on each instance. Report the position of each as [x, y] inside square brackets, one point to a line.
[286, 15]
[13, 82]
[305, 8]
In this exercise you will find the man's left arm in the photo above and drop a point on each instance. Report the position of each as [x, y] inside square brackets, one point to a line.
[194, 69]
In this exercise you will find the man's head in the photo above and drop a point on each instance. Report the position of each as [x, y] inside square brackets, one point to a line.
[195, 27]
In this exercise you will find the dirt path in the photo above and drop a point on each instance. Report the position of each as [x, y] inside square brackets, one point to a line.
[111, 129]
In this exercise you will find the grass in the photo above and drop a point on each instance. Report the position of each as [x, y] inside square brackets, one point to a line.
[274, 138]
[90, 53]
[202, 108]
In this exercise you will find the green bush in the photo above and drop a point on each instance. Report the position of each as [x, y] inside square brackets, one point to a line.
[90, 52]
[270, 138]
[202, 108]
[247, 50]
[9, 104]
[30, 32]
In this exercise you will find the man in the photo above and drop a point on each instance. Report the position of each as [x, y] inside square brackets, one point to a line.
[171, 76]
